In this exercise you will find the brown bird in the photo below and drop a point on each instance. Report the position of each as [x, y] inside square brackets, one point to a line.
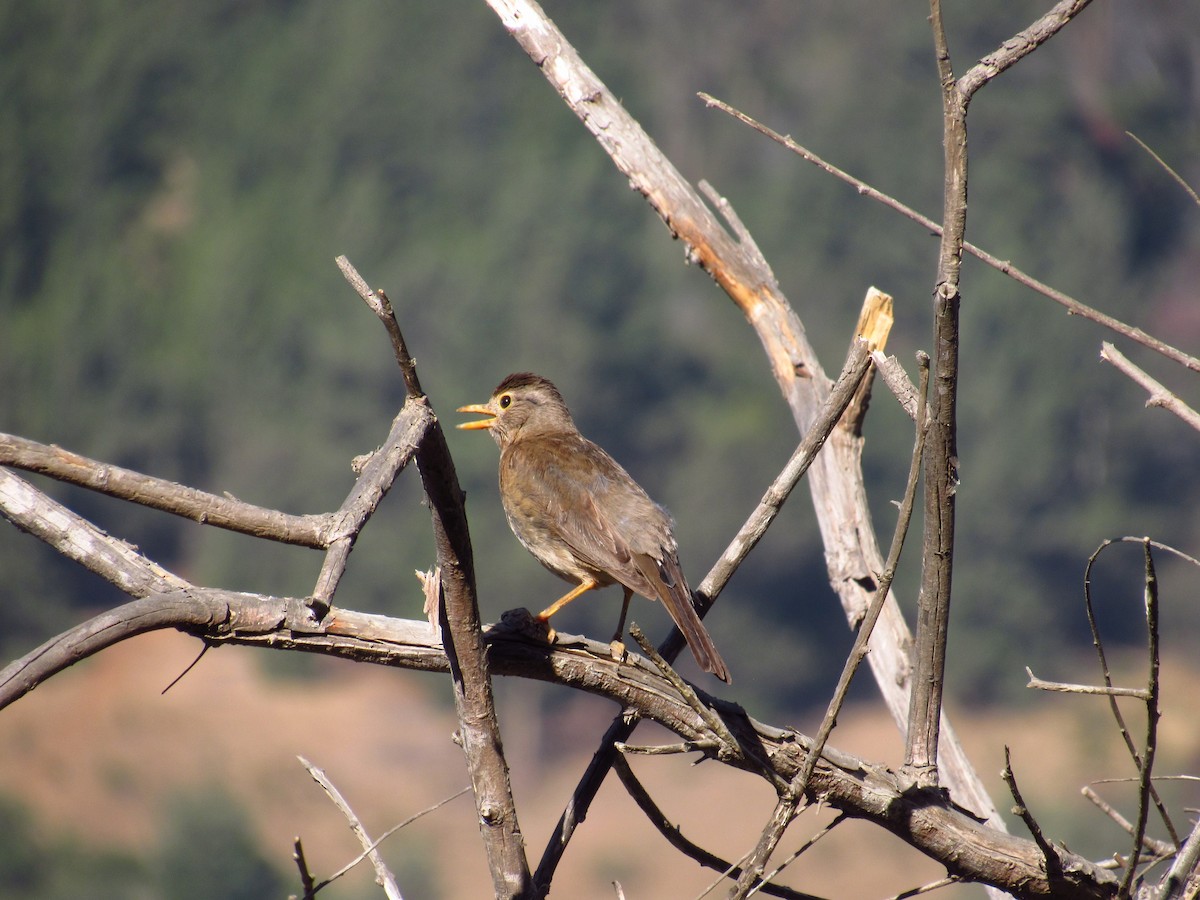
[580, 514]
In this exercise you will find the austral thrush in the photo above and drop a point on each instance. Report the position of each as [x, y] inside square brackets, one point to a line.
[580, 514]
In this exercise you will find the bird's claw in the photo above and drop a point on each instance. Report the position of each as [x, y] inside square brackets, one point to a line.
[617, 648]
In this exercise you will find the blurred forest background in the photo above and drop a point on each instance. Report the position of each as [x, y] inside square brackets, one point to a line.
[176, 178]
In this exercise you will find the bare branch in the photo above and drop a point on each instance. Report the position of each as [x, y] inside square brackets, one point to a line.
[1050, 853]
[1158, 848]
[1191, 191]
[383, 875]
[1159, 395]
[941, 439]
[78, 539]
[1063, 687]
[936, 827]
[462, 635]
[1020, 45]
[1146, 765]
[157, 493]
[676, 839]
[1106, 675]
[1070, 304]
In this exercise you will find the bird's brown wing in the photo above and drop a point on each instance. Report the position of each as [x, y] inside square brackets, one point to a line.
[611, 525]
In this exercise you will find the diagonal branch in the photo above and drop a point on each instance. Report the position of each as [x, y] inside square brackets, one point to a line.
[383, 875]
[1159, 395]
[462, 634]
[676, 839]
[1073, 306]
[1020, 45]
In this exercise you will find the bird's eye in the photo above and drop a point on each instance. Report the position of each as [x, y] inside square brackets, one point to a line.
[505, 401]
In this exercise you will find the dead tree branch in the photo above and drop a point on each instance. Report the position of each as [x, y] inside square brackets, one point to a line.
[383, 875]
[1073, 306]
[970, 849]
[1159, 395]
[462, 634]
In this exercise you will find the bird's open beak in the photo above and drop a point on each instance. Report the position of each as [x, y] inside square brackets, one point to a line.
[483, 410]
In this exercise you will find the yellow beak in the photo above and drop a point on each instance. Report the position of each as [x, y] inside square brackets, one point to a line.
[483, 410]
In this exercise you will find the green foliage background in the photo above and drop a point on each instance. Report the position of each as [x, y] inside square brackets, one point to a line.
[176, 178]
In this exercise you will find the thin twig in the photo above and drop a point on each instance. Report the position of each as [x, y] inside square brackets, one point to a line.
[926, 888]
[1159, 395]
[1065, 688]
[306, 877]
[796, 854]
[1191, 191]
[1158, 848]
[387, 834]
[859, 650]
[736, 867]
[897, 380]
[858, 361]
[1146, 766]
[665, 749]
[1106, 674]
[383, 874]
[1074, 307]
[1054, 868]
[728, 747]
[675, 836]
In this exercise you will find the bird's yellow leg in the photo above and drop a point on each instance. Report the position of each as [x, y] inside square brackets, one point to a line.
[566, 598]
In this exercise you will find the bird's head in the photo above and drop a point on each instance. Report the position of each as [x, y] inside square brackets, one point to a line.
[523, 405]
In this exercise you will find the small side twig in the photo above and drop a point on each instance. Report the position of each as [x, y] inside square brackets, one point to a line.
[665, 749]
[383, 875]
[728, 747]
[675, 837]
[1106, 673]
[1156, 847]
[1070, 304]
[1065, 688]
[1146, 766]
[1159, 395]
[307, 882]
[1191, 191]
[1053, 862]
